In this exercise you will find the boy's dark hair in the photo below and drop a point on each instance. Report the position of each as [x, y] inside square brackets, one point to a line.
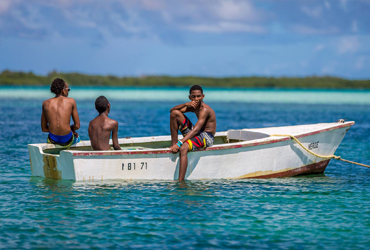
[101, 104]
[196, 87]
[57, 86]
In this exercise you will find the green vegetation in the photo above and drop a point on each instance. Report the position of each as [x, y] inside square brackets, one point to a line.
[29, 79]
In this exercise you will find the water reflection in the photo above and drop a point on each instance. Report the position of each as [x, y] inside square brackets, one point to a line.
[184, 190]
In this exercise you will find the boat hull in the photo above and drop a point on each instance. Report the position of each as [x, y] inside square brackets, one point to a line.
[267, 157]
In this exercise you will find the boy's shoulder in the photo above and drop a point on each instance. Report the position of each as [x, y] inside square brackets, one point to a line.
[207, 108]
[111, 122]
[47, 101]
[110, 119]
[71, 100]
[93, 121]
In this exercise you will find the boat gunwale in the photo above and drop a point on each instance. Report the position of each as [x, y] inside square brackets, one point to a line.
[241, 144]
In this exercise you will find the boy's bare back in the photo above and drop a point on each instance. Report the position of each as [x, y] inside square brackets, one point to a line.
[58, 112]
[101, 127]
[100, 130]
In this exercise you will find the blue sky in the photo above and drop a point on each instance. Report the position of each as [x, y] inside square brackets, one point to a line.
[204, 37]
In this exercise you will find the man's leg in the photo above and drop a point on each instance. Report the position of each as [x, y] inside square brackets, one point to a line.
[176, 118]
[183, 161]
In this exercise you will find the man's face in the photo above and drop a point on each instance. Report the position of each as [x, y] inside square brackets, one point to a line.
[66, 89]
[196, 95]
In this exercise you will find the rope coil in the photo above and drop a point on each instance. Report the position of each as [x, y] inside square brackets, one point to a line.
[321, 156]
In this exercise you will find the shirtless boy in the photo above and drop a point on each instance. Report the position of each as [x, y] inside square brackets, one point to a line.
[101, 127]
[56, 115]
[195, 137]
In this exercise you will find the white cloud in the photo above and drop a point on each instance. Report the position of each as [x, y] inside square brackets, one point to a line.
[329, 68]
[304, 64]
[65, 3]
[360, 62]
[354, 27]
[170, 18]
[227, 27]
[5, 5]
[312, 12]
[80, 18]
[307, 30]
[34, 19]
[152, 4]
[319, 47]
[348, 44]
[343, 4]
[215, 16]
[131, 24]
[235, 10]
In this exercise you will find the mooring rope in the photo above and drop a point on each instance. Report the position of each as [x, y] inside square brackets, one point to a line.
[321, 156]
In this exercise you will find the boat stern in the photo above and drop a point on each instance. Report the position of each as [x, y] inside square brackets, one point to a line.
[54, 166]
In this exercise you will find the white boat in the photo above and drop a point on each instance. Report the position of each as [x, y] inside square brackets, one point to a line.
[236, 154]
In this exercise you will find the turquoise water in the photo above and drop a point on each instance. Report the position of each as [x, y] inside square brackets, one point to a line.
[329, 211]
[212, 94]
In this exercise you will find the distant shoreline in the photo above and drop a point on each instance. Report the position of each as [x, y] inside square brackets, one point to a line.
[13, 78]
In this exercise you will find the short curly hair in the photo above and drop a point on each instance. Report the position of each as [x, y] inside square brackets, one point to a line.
[57, 86]
[196, 87]
[101, 104]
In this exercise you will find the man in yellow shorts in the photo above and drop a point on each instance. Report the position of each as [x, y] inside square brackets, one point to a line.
[199, 136]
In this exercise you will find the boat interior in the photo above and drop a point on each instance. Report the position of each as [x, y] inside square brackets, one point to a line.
[144, 143]
[226, 137]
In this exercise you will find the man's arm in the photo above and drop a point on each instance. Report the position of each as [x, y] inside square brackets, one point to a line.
[197, 127]
[44, 121]
[185, 107]
[75, 118]
[115, 136]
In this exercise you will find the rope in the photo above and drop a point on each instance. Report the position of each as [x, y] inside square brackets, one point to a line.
[321, 156]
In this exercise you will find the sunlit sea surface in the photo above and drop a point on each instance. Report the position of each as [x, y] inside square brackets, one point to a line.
[329, 211]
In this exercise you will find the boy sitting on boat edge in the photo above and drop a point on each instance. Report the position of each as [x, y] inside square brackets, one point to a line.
[199, 136]
[56, 115]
